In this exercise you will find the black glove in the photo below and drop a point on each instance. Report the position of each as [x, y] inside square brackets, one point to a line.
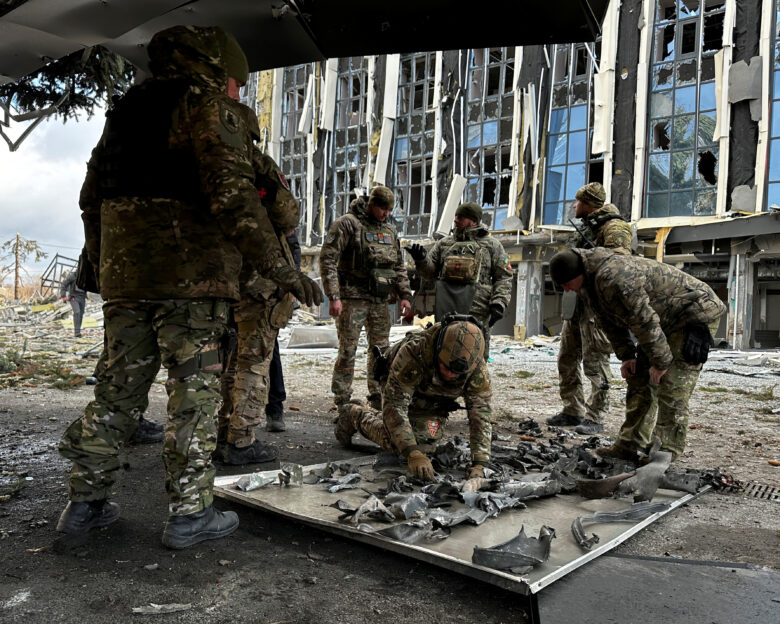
[496, 313]
[417, 252]
[697, 343]
[299, 284]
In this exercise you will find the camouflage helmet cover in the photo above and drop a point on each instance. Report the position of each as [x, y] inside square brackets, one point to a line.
[461, 347]
[592, 194]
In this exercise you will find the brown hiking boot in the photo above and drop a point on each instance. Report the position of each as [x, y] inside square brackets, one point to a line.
[344, 429]
[617, 452]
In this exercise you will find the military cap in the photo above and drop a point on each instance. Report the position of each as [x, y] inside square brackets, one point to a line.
[461, 347]
[592, 194]
[381, 196]
[233, 58]
[565, 266]
[470, 210]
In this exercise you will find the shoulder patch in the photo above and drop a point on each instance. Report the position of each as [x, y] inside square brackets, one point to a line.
[479, 382]
[230, 126]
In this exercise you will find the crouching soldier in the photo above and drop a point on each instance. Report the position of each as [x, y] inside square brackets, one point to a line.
[673, 316]
[426, 372]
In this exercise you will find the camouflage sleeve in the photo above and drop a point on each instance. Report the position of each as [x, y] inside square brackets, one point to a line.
[429, 268]
[223, 149]
[624, 293]
[403, 287]
[501, 274]
[404, 377]
[617, 235]
[336, 241]
[477, 397]
[89, 202]
[274, 190]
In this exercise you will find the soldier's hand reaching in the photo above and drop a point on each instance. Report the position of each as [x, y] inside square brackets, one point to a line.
[417, 252]
[299, 284]
[420, 465]
[628, 369]
[656, 374]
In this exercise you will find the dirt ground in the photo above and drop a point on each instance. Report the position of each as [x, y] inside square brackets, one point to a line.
[272, 570]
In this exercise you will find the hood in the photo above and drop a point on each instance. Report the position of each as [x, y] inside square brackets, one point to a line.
[471, 233]
[606, 209]
[191, 53]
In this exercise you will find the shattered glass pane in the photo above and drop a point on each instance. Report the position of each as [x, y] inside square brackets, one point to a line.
[402, 173]
[689, 8]
[554, 187]
[713, 5]
[682, 131]
[682, 169]
[560, 96]
[713, 32]
[663, 76]
[680, 204]
[658, 172]
[554, 212]
[559, 118]
[685, 100]
[686, 73]
[352, 157]
[707, 68]
[579, 93]
[557, 149]
[577, 146]
[489, 191]
[707, 168]
[472, 136]
[706, 129]
[416, 146]
[561, 63]
[688, 38]
[491, 109]
[667, 9]
[498, 221]
[707, 96]
[661, 104]
[664, 43]
[487, 219]
[661, 137]
[705, 202]
[657, 205]
[503, 199]
[575, 178]
[579, 118]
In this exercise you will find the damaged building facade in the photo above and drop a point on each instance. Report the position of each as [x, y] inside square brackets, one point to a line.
[675, 109]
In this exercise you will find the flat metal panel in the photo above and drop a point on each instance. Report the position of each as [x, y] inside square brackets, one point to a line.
[310, 504]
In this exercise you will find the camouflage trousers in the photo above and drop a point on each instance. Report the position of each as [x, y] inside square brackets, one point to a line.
[671, 396]
[428, 426]
[186, 336]
[356, 314]
[245, 383]
[583, 341]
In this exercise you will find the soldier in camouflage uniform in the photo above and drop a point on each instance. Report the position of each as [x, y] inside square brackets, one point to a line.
[582, 341]
[170, 212]
[471, 269]
[427, 371]
[362, 270]
[673, 317]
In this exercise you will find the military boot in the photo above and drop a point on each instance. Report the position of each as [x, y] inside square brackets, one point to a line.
[589, 427]
[375, 401]
[564, 420]
[255, 453]
[207, 524]
[275, 422]
[147, 432]
[618, 451]
[80, 517]
[345, 424]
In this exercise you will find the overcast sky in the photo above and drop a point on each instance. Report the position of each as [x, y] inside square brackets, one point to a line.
[40, 184]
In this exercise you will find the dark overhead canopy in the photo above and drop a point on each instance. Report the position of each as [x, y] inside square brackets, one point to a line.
[276, 33]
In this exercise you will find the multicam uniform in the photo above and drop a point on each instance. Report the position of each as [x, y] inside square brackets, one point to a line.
[581, 338]
[359, 261]
[656, 302]
[416, 402]
[471, 259]
[261, 312]
[169, 209]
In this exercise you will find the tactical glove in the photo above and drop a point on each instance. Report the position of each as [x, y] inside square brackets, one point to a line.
[293, 281]
[420, 465]
[647, 478]
[496, 313]
[417, 252]
[697, 343]
[475, 472]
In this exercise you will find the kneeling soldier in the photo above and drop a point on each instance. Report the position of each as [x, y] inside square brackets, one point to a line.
[427, 371]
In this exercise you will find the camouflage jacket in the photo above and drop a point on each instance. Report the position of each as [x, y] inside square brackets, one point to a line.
[648, 298]
[606, 228]
[343, 268]
[494, 283]
[190, 240]
[414, 375]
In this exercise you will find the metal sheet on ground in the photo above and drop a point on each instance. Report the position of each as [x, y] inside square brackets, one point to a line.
[310, 504]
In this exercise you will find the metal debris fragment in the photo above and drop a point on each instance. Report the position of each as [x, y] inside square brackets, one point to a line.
[637, 511]
[518, 555]
[254, 481]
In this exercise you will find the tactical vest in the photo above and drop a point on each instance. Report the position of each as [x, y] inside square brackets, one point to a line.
[458, 278]
[137, 159]
[593, 225]
[372, 258]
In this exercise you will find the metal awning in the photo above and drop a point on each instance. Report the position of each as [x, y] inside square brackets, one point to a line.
[277, 33]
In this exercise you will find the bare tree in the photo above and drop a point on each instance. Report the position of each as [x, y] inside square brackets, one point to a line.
[13, 253]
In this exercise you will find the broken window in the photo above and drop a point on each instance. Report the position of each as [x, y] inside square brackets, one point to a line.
[682, 158]
[569, 163]
[351, 95]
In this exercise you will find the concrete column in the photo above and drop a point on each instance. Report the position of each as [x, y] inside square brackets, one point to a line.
[528, 309]
[742, 286]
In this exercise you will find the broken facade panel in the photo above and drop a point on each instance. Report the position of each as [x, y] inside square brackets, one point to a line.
[520, 126]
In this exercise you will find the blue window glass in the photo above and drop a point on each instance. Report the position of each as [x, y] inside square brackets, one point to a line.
[682, 131]
[773, 196]
[558, 120]
[553, 212]
[682, 170]
[663, 76]
[473, 136]
[657, 205]
[577, 146]
[401, 148]
[707, 96]
[661, 104]
[685, 100]
[774, 159]
[680, 204]
[558, 149]
[706, 128]
[658, 172]
[554, 187]
[579, 118]
[776, 117]
[498, 221]
[776, 83]
[489, 132]
[575, 178]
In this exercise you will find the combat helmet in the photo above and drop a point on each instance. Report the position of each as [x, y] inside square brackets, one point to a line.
[460, 344]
